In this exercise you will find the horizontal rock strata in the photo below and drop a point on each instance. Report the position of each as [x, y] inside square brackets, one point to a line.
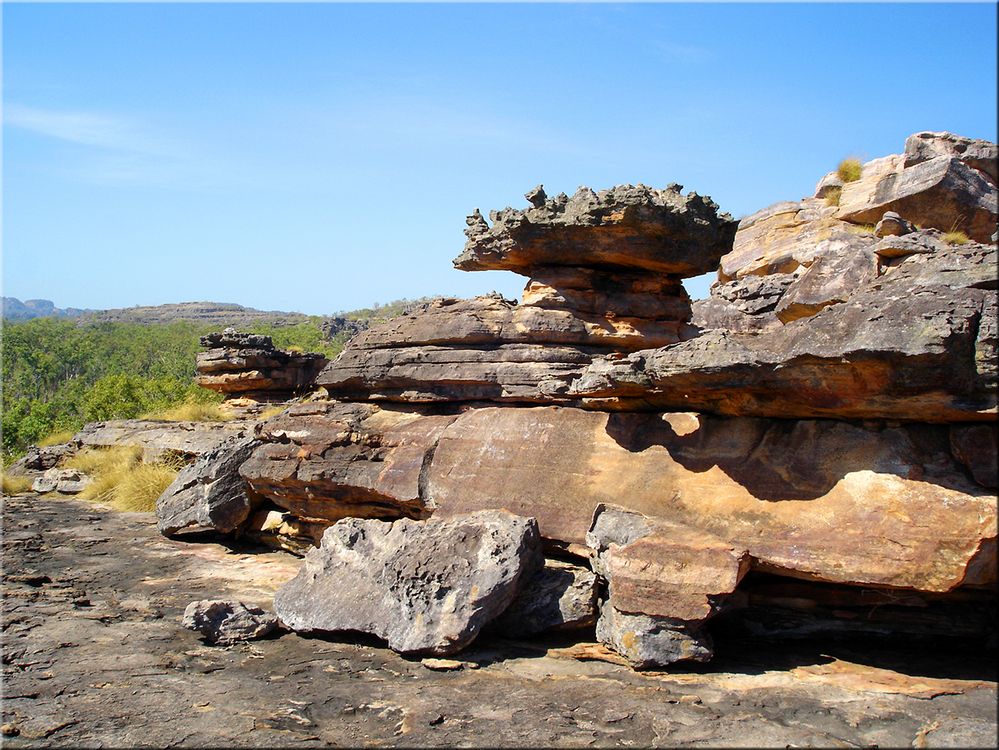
[159, 438]
[249, 365]
[327, 461]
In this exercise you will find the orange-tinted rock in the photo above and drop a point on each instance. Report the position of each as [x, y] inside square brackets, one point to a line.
[812, 499]
[327, 461]
[249, 365]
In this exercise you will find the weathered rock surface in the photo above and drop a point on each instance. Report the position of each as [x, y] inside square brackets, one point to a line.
[806, 498]
[976, 153]
[913, 343]
[64, 481]
[41, 458]
[977, 446]
[225, 622]
[155, 679]
[248, 364]
[657, 567]
[486, 348]
[647, 641]
[626, 226]
[560, 596]
[158, 438]
[893, 225]
[426, 587]
[942, 192]
[326, 461]
[209, 494]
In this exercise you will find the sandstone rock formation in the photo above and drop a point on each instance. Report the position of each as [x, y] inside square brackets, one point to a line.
[605, 275]
[426, 587]
[249, 365]
[209, 494]
[824, 424]
[158, 438]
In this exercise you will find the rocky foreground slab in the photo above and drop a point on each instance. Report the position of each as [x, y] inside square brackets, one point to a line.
[95, 655]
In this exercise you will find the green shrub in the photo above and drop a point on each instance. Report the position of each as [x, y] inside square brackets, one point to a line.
[849, 170]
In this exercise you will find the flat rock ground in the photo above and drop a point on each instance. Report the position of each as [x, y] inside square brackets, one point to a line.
[94, 656]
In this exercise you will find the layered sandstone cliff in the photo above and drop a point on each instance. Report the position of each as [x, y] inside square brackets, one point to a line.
[817, 439]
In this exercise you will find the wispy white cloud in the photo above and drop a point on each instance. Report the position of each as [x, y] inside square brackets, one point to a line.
[87, 129]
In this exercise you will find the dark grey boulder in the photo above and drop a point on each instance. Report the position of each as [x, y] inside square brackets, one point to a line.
[560, 596]
[426, 587]
[209, 494]
[223, 622]
[649, 641]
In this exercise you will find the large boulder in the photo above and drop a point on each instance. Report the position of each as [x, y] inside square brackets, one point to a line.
[209, 494]
[426, 587]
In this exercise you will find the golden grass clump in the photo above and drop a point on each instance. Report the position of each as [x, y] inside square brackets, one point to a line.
[192, 411]
[120, 479]
[833, 195]
[15, 485]
[271, 411]
[56, 438]
[861, 228]
[849, 170]
[956, 238]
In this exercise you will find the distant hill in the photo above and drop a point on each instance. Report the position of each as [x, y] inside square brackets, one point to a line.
[14, 309]
[221, 314]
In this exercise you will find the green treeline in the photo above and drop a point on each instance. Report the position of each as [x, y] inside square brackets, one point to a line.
[58, 375]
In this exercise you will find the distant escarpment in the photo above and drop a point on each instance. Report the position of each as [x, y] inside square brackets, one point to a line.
[811, 451]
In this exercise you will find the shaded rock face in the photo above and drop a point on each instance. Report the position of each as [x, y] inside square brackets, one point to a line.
[248, 365]
[224, 622]
[426, 587]
[41, 458]
[208, 494]
[648, 641]
[327, 461]
[560, 596]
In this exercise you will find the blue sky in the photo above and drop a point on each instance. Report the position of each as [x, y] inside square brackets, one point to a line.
[323, 157]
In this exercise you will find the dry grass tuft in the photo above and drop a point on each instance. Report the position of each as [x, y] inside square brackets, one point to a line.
[833, 195]
[849, 170]
[192, 411]
[271, 411]
[121, 479]
[956, 238]
[15, 485]
[56, 438]
[861, 228]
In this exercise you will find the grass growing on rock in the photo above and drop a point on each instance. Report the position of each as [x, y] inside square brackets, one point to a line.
[191, 411]
[56, 438]
[833, 195]
[956, 238]
[861, 228]
[121, 479]
[849, 170]
[15, 485]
